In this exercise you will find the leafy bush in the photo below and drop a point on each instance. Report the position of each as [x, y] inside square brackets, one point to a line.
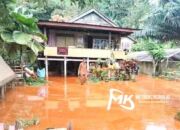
[139, 46]
[177, 116]
[23, 123]
[171, 75]
[151, 44]
[94, 79]
[35, 82]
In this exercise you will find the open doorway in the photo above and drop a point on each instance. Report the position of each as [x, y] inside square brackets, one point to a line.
[56, 68]
[89, 41]
[72, 68]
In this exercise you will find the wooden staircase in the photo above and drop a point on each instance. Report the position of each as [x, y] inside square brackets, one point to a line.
[19, 71]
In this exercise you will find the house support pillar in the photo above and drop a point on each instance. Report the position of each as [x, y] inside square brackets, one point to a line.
[110, 40]
[119, 42]
[45, 33]
[65, 66]
[46, 65]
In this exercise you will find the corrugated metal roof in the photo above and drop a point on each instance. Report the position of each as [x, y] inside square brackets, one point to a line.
[145, 56]
[54, 24]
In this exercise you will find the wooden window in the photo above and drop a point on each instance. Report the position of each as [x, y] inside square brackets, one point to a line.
[61, 41]
[64, 40]
[100, 43]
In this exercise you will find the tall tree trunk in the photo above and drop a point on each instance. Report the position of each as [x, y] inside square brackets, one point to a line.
[154, 67]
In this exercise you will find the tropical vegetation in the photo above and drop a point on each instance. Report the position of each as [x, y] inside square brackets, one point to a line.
[21, 39]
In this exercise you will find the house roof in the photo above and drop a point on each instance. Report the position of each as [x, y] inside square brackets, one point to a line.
[6, 73]
[80, 26]
[98, 14]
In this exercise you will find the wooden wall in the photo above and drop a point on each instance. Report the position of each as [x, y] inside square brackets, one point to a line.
[61, 38]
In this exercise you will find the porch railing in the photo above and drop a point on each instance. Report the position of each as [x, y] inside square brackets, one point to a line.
[85, 52]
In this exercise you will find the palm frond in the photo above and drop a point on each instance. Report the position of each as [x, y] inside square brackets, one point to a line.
[164, 22]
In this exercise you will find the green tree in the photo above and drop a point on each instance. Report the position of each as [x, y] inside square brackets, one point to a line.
[155, 48]
[136, 13]
[115, 9]
[33, 8]
[66, 9]
[157, 52]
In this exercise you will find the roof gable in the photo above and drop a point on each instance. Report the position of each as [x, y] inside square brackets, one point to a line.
[93, 17]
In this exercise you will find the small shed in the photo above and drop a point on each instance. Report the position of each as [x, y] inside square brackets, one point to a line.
[6, 75]
[171, 60]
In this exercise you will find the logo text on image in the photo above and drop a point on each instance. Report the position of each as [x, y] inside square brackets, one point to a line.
[125, 101]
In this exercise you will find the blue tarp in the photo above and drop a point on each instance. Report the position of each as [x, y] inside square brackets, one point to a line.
[41, 73]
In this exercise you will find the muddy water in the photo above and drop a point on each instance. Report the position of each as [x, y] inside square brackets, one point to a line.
[85, 106]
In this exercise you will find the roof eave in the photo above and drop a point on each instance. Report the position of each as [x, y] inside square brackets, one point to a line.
[85, 26]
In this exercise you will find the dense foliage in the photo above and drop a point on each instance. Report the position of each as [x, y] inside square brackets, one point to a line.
[18, 22]
[124, 13]
[116, 9]
[158, 19]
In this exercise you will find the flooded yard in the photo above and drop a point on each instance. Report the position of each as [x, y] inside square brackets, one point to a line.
[85, 106]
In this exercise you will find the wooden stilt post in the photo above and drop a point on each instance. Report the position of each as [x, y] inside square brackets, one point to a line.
[46, 64]
[2, 92]
[88, 63]
[110, 44]
[65, 66]
[119, 42]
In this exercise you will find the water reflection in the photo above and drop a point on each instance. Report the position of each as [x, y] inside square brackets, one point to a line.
[96, 103]
[73, 105]
[65, 87]
[153, 126]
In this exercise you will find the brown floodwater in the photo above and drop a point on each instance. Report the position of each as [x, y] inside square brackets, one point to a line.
[85, 106]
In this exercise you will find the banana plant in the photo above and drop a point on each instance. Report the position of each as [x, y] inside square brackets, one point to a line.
[23, 36]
